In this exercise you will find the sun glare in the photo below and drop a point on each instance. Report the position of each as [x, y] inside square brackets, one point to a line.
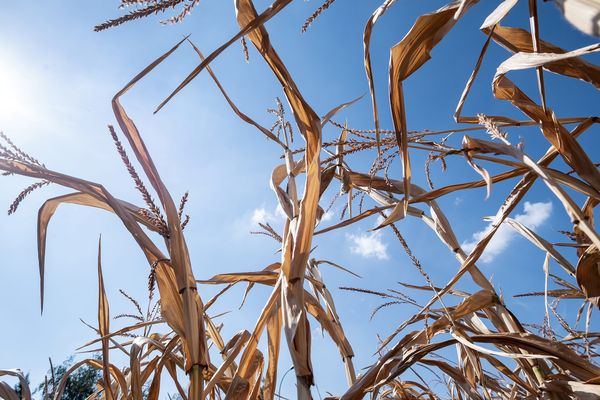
[13, 88]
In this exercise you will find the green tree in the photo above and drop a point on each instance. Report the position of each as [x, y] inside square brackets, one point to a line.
[19, 388]
[80, 384]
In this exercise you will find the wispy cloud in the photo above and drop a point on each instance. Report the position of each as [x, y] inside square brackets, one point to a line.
[368, 245]
[262, 215]
[533, 216]
[328, 216]
[248, 222]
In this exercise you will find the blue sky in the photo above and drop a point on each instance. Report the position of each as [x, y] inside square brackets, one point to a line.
[57, 78]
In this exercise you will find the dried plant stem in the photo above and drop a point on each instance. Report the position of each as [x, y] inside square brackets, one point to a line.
[316, 14]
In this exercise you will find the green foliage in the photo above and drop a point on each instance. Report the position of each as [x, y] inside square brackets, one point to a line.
[19, 388]
[80, 384]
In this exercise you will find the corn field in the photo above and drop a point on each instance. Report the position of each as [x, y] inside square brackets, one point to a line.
[470, 340]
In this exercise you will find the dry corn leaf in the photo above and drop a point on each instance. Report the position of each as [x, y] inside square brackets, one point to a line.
[512, 200]
[251, 25]
[588, 273]
[103, 324]
[192, 308]
[273, 343]
[368, 31]
[235, 109]
[583, 14]
[381, 371]
[523, 60]
[49, 208]
[518, 40]
[265, 277]
[239, 388]
[7, 391]
[233, 348]
[499, 13]
[297, 244]
[542, 244]
[570, 206]
[405, 58]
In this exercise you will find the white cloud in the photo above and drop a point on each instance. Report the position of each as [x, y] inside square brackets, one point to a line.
[327, 216]
[533, 216]
[368, 245]
[262, 215]
[249, 221]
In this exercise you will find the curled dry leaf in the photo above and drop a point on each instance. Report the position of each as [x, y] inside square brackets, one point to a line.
[583, 14]
[588, 273]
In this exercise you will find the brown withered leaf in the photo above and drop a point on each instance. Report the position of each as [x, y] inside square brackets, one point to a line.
[408, 56]
[252, 24]
[588, 273]
[499, 13]
[583, 14]
[8, 391]
[298, 242]
[368, 31]
[104, 324]
[193, 334]
[518, 40]
[273, 343]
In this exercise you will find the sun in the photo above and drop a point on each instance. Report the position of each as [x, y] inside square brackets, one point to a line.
[14, 86]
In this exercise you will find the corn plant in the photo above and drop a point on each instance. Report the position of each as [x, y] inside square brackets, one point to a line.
[497, 355]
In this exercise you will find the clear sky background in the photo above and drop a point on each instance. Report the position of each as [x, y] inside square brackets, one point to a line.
[57, 78]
